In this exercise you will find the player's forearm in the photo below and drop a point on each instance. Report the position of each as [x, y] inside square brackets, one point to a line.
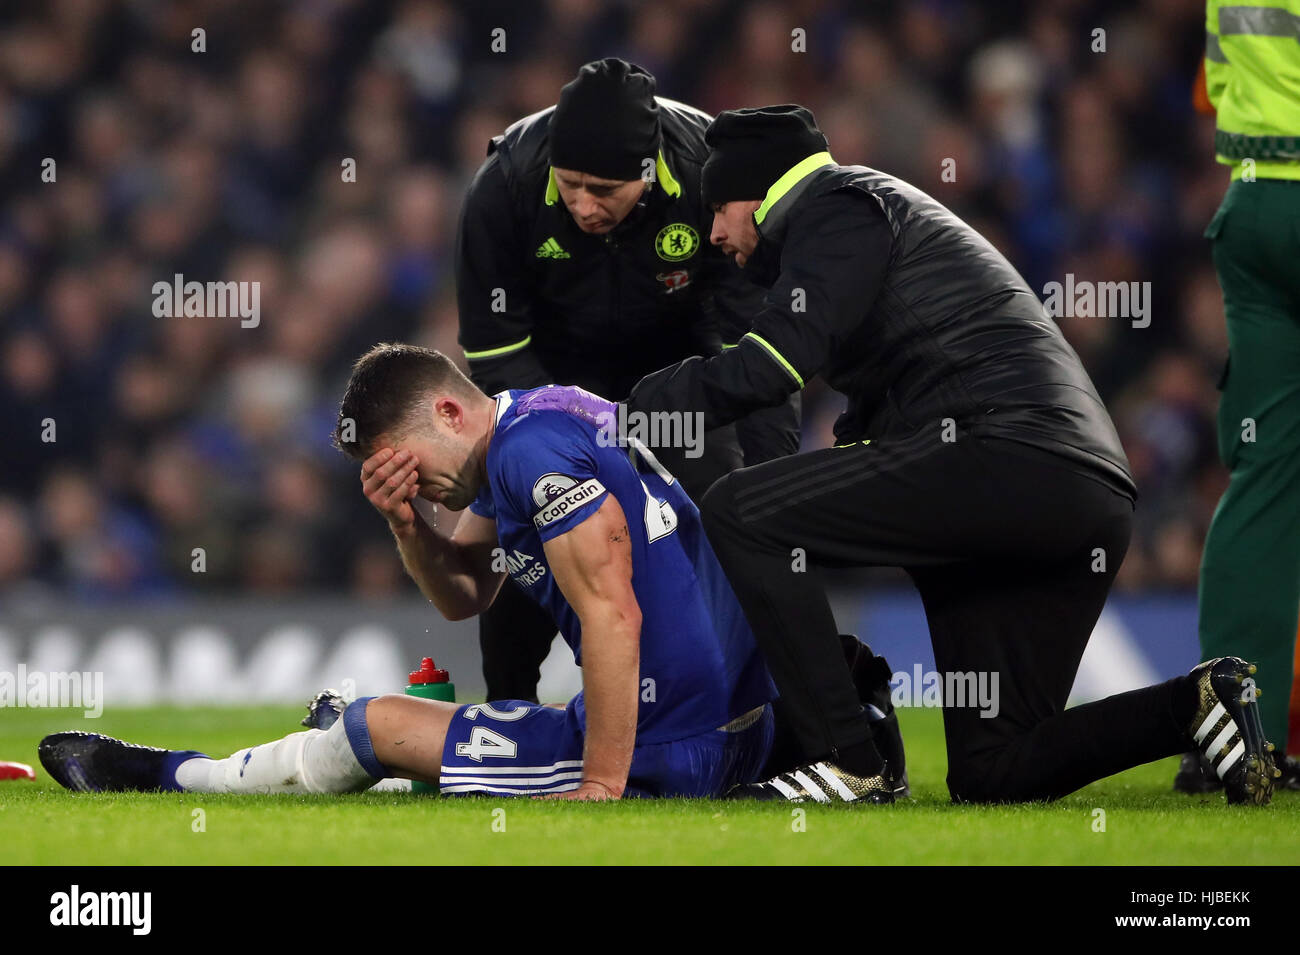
[445, 572]
[611, 659]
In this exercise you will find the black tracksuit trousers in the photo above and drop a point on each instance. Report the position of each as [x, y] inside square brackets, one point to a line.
[1013, 550]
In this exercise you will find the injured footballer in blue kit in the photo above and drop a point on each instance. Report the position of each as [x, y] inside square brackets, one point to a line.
[676, 700]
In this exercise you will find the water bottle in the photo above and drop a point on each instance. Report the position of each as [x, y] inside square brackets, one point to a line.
[430, 683]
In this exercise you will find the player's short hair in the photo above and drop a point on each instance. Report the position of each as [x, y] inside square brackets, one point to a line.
[387, 392]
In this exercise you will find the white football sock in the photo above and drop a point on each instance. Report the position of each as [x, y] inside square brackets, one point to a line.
[315, 761]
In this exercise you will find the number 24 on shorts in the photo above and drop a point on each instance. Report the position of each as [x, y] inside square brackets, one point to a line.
[485, 743]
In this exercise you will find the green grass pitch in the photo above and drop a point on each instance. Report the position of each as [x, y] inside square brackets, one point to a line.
[1145, 822]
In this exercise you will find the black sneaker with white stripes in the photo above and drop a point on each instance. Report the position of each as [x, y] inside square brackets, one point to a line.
[1227, 730]
[820, 782]
[872, 677]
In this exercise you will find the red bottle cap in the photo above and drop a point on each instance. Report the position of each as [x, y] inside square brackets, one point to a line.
[428, 673]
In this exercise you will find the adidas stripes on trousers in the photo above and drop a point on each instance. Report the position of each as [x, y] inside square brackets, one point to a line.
[1013, 551]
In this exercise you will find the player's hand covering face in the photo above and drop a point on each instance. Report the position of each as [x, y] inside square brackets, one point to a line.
[449, 467]
[389, 481]
[445, 475]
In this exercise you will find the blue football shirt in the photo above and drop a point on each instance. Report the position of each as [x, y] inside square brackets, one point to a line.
[548, 471]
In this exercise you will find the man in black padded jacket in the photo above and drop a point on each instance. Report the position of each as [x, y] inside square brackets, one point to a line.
[975, 453]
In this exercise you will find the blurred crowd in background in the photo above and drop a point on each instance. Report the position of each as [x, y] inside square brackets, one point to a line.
[181, 433]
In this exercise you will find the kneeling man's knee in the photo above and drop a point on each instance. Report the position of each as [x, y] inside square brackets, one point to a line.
[718, 508]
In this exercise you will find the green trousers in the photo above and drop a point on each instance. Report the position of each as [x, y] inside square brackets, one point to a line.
[1250, 571]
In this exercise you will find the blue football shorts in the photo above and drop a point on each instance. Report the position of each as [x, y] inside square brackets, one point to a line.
[513, 748]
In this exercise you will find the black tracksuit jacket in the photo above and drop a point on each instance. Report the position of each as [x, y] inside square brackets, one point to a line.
[908, 311]
[543, 302]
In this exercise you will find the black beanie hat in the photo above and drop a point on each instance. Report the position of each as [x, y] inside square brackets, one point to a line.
[606, 123]
[750, 149]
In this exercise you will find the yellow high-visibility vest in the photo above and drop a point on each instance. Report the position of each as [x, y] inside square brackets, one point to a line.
[1252, 75]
